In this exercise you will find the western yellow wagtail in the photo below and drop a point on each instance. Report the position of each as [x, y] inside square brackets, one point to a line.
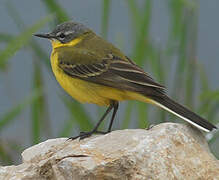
[92, 70]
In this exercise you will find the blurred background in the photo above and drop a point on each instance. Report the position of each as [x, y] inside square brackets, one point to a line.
[176, 41]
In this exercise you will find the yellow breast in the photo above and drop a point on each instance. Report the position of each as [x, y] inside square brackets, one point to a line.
[86, 92]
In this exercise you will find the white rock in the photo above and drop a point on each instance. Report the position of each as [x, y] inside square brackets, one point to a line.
[167, 151]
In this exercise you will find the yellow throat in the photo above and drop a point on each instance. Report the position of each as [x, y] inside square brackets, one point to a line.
[56, 43]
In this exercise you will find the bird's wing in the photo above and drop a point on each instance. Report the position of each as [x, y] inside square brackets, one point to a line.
[114, 72]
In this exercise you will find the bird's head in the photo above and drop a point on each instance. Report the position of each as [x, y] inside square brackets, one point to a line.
[65, 34]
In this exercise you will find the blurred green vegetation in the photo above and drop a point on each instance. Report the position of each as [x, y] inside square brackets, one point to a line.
[182, 43]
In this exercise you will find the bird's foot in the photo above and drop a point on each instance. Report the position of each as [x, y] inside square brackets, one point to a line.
[84, 135]
[101, 132]
[150, 126]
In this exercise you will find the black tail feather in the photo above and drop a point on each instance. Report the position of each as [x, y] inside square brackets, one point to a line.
[168, 104]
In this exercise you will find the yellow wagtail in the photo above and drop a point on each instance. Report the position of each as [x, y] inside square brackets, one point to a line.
[92, 70]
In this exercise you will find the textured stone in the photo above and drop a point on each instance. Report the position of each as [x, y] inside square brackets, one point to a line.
[167, 151]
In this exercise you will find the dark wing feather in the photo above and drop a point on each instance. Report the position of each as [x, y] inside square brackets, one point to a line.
[84, 70]
[132, 73]
[117, 73]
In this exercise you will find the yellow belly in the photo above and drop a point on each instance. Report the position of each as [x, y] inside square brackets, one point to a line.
[86, 92]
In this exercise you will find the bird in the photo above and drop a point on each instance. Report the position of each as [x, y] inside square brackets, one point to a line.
[92, 70]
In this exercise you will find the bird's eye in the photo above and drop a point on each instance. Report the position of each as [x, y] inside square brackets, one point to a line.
[62, 35]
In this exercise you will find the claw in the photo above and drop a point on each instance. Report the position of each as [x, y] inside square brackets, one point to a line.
[101, 132]
[150, 126]
[83, 135]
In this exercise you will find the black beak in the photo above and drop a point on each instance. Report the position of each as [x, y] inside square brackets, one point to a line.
[47, 36]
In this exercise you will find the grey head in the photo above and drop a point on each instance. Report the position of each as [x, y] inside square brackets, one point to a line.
[66, 32]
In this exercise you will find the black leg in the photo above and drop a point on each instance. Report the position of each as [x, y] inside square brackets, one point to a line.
[115, 108]
[83, 135]
[103, 117]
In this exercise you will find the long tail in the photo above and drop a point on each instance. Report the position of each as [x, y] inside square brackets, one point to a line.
[168, 104]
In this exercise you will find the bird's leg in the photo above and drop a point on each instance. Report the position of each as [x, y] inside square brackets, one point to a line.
[115, 108]
[115, 105]
[83, 135]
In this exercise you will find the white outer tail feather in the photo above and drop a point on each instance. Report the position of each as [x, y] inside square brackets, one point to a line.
[185, 119]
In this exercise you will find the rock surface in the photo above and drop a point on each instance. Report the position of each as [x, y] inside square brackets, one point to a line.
[167, 151]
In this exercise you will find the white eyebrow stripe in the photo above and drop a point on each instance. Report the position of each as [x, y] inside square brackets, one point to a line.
[68, 32]
[57, 34]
